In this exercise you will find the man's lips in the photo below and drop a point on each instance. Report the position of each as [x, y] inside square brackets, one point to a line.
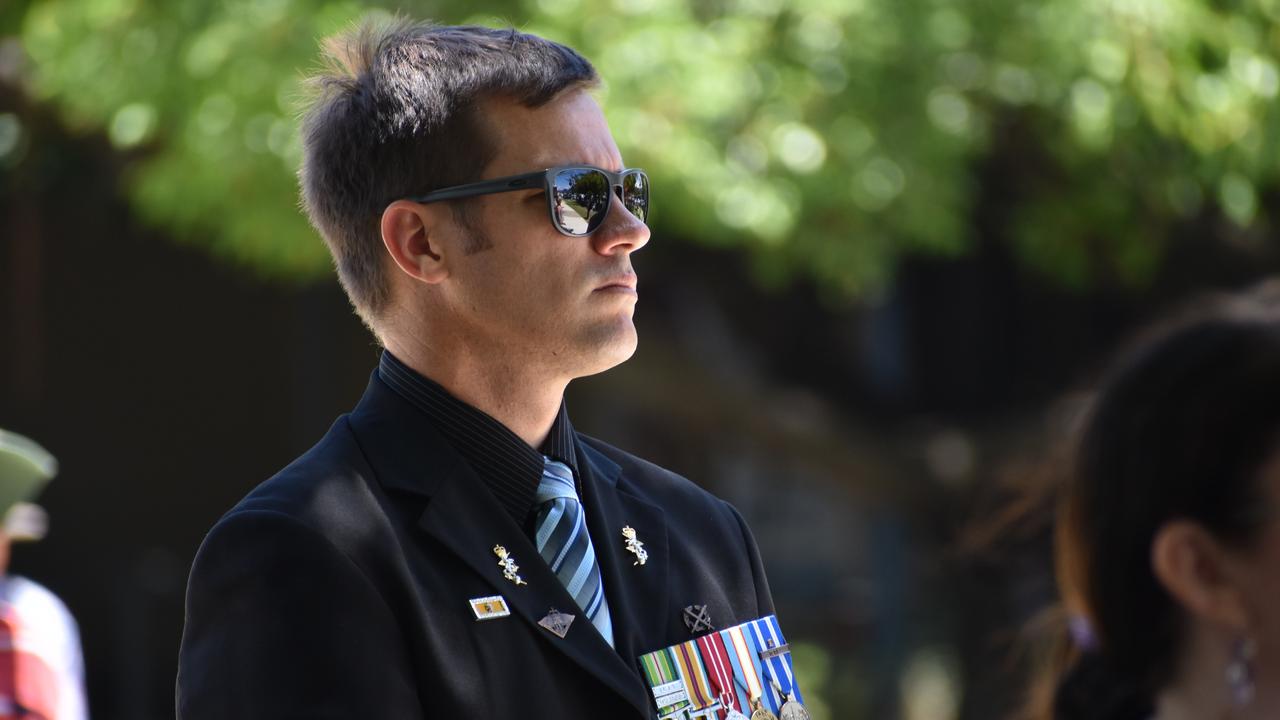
[621, 282]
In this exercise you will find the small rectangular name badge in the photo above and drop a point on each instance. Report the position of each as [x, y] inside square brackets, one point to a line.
[667, 689]
[490, 608]
[679, 696]
[775, 651]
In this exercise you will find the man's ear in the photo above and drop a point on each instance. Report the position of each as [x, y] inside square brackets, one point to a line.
[1197, 570]
[411, 234]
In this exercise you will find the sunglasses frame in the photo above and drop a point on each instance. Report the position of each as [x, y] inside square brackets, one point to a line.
[529, 181]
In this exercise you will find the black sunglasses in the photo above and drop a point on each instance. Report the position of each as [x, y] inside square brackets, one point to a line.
[578, 196]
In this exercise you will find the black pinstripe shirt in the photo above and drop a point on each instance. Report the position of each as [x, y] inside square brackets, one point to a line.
[507, 465]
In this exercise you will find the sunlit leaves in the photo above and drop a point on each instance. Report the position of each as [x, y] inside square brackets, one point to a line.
[825, 137]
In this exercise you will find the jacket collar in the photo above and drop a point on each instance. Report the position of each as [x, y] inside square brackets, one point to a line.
[506, 463]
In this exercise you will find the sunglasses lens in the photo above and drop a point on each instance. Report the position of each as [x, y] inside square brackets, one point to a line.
[581, 198]
[635, 194]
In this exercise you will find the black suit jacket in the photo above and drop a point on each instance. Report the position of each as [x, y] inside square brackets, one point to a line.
[339, 588]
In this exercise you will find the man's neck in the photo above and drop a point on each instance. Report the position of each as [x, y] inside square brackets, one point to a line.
[512, 393]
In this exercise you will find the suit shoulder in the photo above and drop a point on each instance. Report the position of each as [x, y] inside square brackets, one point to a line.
[328, 489]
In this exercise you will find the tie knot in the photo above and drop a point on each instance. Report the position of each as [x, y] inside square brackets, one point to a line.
[557, 482]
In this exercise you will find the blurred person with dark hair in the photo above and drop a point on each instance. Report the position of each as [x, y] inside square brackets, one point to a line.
[41, 665]
[1168, 536]
[453, 547]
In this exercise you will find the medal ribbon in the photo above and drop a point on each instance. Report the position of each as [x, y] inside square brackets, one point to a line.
[745, 661]
[695, 675]
[716, 657]
[775, 669]
[768, 691]
[780, 666]
[660, 669]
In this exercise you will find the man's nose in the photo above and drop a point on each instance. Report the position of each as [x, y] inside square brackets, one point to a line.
[621, 231]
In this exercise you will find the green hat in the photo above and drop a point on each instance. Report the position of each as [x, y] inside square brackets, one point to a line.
[25, 468]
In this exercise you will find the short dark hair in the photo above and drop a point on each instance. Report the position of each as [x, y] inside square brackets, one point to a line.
[396, 114]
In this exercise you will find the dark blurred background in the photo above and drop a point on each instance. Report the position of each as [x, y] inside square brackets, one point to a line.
[893, 242]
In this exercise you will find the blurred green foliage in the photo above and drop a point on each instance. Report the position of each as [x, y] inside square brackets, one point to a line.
[825, 137]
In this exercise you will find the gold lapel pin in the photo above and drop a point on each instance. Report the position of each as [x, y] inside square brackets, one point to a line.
[635, 546]
[490, 607]
[508, 565]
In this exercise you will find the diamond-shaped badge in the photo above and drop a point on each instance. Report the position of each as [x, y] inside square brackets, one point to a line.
[557, 622]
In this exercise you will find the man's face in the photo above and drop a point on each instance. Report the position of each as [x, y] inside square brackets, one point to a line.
[534, 296]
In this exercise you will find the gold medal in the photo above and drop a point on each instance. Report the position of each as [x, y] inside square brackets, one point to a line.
[760, 712]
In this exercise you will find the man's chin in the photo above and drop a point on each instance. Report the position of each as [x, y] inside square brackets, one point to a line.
[612, 348]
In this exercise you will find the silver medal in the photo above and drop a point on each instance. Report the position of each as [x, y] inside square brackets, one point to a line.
[792, 710]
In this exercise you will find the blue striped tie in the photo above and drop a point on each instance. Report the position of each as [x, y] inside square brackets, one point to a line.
[563, 542]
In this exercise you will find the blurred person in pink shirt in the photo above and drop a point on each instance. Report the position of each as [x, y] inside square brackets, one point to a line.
[41, 665]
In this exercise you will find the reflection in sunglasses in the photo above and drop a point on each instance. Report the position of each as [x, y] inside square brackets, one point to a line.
[581, 197]
[573, 217]
[580, 194]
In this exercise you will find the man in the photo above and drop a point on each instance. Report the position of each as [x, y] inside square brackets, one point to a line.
[452, 547]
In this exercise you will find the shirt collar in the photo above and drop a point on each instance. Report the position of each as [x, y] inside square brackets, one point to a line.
[506, 464]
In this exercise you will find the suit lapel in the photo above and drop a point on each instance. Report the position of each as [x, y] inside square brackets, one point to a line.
[409, 455]
[469, 524]
[637, 594]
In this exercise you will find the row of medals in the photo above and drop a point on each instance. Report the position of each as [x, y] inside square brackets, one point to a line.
[790, 710]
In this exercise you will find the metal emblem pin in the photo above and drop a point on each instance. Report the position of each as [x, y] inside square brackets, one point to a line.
[635, 546]
[557, 623]
[490, 608]
[774, 650]
[697, 619]
[508, 565]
